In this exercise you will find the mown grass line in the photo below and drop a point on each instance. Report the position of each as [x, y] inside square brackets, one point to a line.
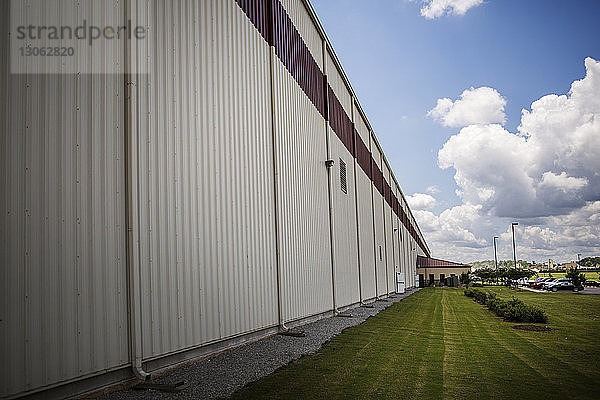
[439, 344]
[461, 370]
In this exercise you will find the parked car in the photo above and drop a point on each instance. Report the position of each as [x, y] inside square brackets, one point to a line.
[592, 283]
[540, 283]
[563, 285]
[530, 283]
[549, 284]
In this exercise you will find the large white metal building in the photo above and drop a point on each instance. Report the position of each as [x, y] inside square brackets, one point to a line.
[233, 189]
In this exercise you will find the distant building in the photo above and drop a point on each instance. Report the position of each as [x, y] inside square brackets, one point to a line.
[570, 265]
[432, 271]
[548, 265]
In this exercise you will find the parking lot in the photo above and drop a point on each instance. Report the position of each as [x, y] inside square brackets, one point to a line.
[587, 290]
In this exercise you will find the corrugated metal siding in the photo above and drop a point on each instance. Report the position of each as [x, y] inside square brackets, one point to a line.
[344, 227]
[378, 222]
[389, 234]
[303, 215]
[361, 125]
[407, 240]
[334, 78]
[64, 310]
[296, 56]
[207, 227]
[204, 167]
[259, 13]
[395, 238]
[366, 240]
[340, 122]
[301, 19]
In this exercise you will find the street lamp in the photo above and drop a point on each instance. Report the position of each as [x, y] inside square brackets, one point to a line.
[496, 259]
[514, 247]
[578, 259]
[495, 253]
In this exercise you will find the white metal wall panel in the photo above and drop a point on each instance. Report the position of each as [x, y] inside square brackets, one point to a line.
[403, 238]
[207, 224]
[361, 126]
[306, 28]
[345, 239]
[366, 240]
[334, 79]
[410, 242]
[379, 227]
[396, 241]
[389, 236]
[303, 205]
[62, 237]
[404, 250]
[413, 246]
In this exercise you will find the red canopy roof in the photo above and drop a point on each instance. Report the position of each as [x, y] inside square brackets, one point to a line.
[428, 262]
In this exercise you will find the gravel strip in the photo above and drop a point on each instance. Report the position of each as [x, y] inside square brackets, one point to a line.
[221, 375]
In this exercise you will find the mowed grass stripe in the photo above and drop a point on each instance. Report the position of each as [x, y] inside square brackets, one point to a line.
[461, 368]
[439, 344]
[499, 368]
[429, 377]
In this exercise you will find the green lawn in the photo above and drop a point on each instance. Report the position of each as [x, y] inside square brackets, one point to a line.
[438, 343]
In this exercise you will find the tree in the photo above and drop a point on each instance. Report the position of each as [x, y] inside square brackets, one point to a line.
[514, 274]
[464, 279]
[576, 277]
[590, 261]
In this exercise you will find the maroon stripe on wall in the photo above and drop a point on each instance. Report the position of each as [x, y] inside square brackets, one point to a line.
[273, 23]
[363, 156]
[339, 121]
[377, 176]
[258, 12]
[293, 52]
[395, 204]
[387, 193]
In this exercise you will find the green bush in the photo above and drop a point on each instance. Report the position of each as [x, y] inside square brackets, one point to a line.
[513, 310]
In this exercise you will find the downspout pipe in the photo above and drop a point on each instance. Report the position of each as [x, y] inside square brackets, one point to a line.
[354, 132]
[329, 163]
[272, 59]
[131, 207]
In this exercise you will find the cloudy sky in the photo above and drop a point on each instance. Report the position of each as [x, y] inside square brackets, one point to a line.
[489, 112]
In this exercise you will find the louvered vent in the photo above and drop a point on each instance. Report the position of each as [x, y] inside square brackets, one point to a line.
[343, 180]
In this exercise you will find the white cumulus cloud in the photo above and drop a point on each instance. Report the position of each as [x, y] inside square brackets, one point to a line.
[476, 106]
[546, 176]
[562, 181]
[433, 189]
[549, 167]
[437, 8]
[453, 226]
[420, 201]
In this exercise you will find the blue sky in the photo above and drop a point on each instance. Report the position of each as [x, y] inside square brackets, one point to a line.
[400, 63]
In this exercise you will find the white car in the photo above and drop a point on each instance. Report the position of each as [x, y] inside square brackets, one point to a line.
[560, 281]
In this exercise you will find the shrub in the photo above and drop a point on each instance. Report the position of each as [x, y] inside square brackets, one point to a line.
[470, 292]
[514, 310]
[480, 297]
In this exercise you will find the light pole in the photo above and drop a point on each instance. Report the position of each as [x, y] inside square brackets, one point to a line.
[578, 259]
[514, 247]
[496, 258]
[495, 253]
